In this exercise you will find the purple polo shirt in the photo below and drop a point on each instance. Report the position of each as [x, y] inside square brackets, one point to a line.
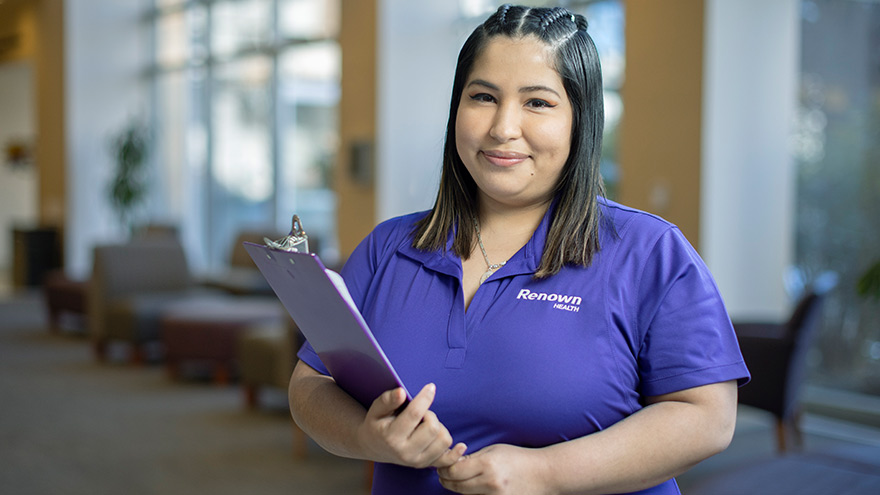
[537, 362]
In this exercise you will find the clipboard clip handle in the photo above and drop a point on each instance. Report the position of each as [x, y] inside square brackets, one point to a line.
[297, 241]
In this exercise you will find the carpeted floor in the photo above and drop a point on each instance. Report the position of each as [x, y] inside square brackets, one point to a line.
[69, 425]
[849, 471]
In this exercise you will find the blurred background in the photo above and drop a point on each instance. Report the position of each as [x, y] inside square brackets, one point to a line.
[753, 125]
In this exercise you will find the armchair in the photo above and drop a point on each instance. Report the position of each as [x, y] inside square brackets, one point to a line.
[131, 285]
[776, 355]
[242, 277]
[267, 354]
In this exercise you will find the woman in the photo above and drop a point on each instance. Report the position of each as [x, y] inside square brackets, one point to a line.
[562, 343]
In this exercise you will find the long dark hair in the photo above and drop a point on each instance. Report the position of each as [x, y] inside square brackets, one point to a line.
[574, 230]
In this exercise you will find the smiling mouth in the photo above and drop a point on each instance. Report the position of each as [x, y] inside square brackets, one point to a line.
[504, 158]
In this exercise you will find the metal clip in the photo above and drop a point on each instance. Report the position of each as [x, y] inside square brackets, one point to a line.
[297, 241]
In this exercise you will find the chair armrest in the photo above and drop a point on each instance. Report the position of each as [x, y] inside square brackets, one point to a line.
[768, 362]
[758, 329]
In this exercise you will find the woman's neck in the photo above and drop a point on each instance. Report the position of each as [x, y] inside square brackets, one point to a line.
[511, 221]
[501, 232]
[505, 230]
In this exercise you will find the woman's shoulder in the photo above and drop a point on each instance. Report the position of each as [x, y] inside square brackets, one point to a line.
[641, 235]
[627, 221]
[394, 231]
[386, 238]
[645, 236]
[399, 226]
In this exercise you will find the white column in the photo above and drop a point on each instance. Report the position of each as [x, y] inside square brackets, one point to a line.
[106, 53]
[418, 46]
[748, 179]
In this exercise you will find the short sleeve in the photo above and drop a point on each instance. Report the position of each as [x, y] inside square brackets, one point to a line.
[688, 339]
[308, 355]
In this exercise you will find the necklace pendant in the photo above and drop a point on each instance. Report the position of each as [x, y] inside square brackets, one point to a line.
[492, 269]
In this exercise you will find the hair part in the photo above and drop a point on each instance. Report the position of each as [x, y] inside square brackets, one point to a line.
[573, 237]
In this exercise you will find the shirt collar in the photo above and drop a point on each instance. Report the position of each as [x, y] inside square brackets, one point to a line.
[443, 261]
[528, 259]
[525, 261]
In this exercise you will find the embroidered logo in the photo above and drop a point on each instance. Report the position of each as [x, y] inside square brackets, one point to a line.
[560, 301]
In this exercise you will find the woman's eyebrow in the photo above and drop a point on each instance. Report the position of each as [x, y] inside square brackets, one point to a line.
[531, 89]
[524, 89]
[480, 82]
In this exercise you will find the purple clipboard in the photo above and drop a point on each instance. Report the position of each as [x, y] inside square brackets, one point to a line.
[325, 314]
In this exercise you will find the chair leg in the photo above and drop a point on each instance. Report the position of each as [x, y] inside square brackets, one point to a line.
[251, 395]
[368, 478]
[221, 374]
[100, 347]
[300, 442]
[795, 426]
[788, 434]
[172, 367]
[54, 320]
[138, 354]
[781, 445]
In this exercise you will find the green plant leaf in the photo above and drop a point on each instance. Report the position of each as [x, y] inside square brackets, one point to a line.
[869, 283]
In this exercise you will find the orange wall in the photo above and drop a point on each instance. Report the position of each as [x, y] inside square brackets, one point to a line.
[661, 127]
[34, 30]
[356, 215]
[18, 32]
[51, 151]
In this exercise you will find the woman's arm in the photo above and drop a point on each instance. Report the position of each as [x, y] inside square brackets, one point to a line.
[666, 438]
[339, 424]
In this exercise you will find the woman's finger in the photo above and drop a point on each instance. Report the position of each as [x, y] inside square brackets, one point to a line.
[406, 422]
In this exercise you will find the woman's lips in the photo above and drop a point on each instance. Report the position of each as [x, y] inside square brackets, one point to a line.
[504, 158]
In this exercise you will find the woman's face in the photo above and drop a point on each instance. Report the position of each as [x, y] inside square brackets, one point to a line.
[513, 126]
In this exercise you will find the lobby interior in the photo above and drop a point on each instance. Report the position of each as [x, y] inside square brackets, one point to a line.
[718, 135]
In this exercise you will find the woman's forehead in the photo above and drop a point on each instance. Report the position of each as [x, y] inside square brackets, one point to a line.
[523, 58]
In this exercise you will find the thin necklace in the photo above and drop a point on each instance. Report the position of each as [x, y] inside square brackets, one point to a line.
[491, 268]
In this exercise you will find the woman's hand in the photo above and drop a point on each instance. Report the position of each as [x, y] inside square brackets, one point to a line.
[496, 470]
[673, 433]
[414, 437]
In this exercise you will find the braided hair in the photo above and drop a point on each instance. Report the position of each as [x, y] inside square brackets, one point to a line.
[573, 238]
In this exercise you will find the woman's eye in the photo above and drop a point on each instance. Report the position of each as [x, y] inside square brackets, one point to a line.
[483, 97]
[538, 103]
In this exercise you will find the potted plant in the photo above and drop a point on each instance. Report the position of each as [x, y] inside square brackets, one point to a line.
[128, 188]
[869, 282]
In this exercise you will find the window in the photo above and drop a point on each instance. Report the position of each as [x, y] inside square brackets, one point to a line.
[838, 183]
[606, 23]
[245, 93]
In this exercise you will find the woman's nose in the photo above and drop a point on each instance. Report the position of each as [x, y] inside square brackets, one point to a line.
[507, 125]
